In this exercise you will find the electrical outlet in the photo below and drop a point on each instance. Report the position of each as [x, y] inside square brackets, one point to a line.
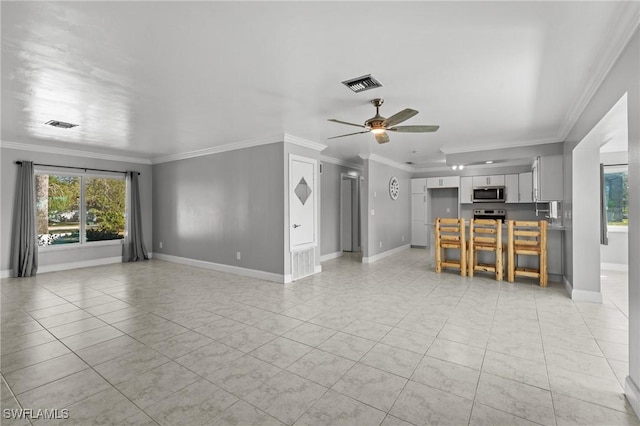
[403, 238]
[373, 212]
[375, 194]
[238, 255]
[380, 244]
[448, 209]
[160, 244]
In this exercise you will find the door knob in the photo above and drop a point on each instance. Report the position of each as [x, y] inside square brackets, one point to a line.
[296, 226]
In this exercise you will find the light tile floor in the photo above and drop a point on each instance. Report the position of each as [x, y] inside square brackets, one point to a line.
[388, 343]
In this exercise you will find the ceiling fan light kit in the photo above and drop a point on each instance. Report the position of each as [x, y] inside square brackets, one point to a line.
[379, 125]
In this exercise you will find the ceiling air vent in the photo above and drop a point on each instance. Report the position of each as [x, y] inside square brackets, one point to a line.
[363, 83]
[60, 124]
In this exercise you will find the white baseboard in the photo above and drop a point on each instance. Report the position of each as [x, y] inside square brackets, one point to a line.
[317, 269]
[330, 256]
[253, 273]
[632, 392]
[384, 254]
[567, 285]
[586, 296]
[614, 267]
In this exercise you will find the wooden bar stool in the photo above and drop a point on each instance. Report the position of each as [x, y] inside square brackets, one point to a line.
[486, 235]
[529, 239]
[450, 234]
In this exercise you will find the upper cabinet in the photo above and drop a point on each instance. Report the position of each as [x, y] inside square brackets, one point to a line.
[466, 190]
[444, 182]
[512, 189]
[525, 187]
[547, 173]
[494, 180]
[419, 186]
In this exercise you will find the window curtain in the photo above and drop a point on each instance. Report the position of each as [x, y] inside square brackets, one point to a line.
[134, 249]
[24, 248]
[604, 236]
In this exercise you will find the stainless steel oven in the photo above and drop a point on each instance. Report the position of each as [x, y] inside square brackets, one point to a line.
[499, 214]
[494, 194]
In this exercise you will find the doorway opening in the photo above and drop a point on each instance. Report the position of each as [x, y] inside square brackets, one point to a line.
[350, 233]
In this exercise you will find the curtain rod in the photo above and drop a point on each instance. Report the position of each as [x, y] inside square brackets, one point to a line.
[77, 168]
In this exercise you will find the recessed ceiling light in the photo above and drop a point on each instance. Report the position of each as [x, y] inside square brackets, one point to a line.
[489, 162]
[460, 167]
[360, 84]
[454, 167]
[61, 124]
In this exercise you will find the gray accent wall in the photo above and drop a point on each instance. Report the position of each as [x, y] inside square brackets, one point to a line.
[391, 224]
[71, 254]
[330, 181]
[209, 208]
[621, 79]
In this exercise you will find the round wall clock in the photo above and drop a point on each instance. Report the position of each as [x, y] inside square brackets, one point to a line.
[394, 188]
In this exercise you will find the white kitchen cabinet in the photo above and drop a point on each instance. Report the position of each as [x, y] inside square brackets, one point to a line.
[443, 182]
[512, 188]
[493, 180]
[419, 228]
[419, 186]
[547, 174]
[525, 185]
[466, 190]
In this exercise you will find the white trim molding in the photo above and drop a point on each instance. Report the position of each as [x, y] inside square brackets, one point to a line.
[219, 149]
[330, 256]
[249, 143]
[497, 145]
[586, 296]
[632, 392]
[384, 254]
[339, 162]
[627, 23]
[304, 142]
[72, 152]
[253, 273]
[384, 160]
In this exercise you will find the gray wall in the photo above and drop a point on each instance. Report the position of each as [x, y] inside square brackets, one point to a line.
[330, 207]
[622, 78]
[208, 208]
[9, 173]
[392, 220]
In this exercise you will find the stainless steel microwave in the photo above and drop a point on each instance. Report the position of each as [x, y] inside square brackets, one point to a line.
[489, 195]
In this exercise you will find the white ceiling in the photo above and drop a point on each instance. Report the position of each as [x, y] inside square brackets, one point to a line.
[153, 79]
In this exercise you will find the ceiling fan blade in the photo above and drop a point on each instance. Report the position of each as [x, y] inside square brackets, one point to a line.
[398, 118]
[347, 123]
[382, 137]
[414, 129]
[348, 134]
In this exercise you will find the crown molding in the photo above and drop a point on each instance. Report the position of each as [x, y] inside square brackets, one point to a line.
[304, 142]
[340, 162]
[219, 149]
[249, 143]
[72, 152]
[627, 23]
[383, 160]
[504, 145]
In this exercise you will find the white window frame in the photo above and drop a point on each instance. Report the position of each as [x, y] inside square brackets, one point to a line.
[43, 170]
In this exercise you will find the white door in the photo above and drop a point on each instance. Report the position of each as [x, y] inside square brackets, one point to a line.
[302, 202]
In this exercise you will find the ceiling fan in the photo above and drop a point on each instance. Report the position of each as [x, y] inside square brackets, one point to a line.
[379, 125]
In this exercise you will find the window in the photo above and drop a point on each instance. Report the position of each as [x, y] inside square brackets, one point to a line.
[74, 209]
[616, 184]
